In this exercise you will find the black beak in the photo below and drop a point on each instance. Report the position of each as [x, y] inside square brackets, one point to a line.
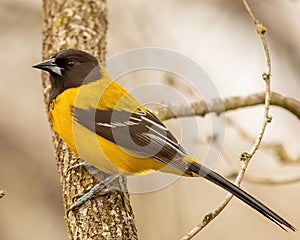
[49, 66]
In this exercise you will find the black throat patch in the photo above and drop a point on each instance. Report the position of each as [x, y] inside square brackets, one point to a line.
[60, 83]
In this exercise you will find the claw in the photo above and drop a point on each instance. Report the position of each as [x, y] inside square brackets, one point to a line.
[78, 195]
[82, 164]
[97, 190]
[95, 172]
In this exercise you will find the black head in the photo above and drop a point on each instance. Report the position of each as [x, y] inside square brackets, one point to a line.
[68, 69]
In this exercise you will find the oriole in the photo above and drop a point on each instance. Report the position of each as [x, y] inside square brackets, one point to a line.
[107, 127]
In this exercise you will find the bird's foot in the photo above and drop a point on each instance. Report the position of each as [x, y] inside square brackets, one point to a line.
[100, 189]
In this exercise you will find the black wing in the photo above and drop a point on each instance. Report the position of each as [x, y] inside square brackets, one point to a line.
[141, 132]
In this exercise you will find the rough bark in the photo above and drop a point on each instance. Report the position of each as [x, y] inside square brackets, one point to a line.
[83, 25]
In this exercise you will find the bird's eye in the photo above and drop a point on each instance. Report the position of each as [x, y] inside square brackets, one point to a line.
[70, 64]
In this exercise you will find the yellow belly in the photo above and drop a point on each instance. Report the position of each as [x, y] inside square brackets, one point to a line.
[100, 152]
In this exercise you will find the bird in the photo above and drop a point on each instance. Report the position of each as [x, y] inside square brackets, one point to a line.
[107, 127]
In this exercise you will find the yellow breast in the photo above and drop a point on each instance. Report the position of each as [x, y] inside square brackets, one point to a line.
[100, 152]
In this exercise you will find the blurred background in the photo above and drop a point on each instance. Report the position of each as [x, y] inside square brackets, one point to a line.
[216, 34]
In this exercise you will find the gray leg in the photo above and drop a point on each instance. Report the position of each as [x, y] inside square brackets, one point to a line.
[95, 172]
[97, 190]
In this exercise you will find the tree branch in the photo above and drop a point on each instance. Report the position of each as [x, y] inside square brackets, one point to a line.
[83, 25]
[201, 108]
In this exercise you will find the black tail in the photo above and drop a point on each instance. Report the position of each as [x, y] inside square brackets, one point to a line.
[239, 193]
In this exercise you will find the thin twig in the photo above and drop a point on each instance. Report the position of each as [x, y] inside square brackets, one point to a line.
[245, 157]
[278, 150]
